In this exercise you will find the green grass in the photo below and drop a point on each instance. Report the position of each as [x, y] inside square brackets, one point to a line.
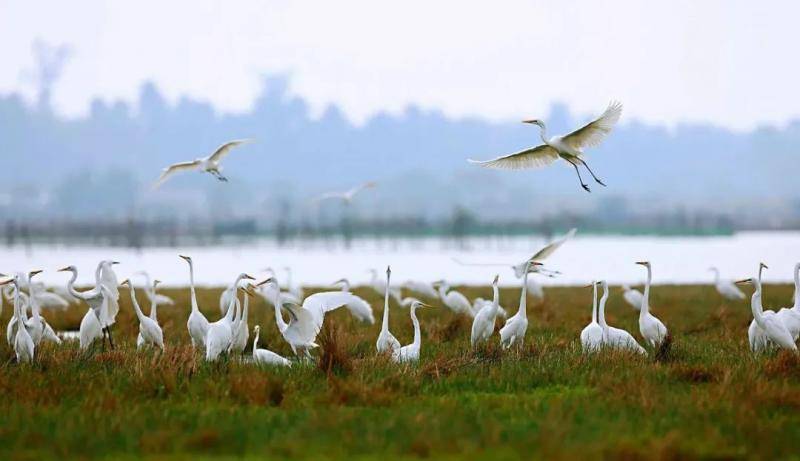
[709, 399]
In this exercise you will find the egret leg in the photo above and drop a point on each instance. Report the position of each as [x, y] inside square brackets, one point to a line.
[110, 339]
[579, 176]
[591, 172]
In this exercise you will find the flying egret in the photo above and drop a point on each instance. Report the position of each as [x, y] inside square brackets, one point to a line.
[100, 300]
[632, 296]
[454, 300]
[346, 196]
[410, 353]
[358, 307]
[592, 334]
[790, 316]
[651, 328]
[264, 356]
[616, 338]
[513, 332]
[774, 329]
[209, 164]
[149, 330]
[150, 292]
[483, 324]
[568, 147]
[386, 340]
[197, 324]
[23, 343]
[726, 288]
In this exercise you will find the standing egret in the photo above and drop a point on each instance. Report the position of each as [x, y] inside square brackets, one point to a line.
[791, 316]
[592, 334]
[264, 356]
[616, 338]
[153, 312]
[35, 324]
[651, 328]
[23, 343]
[377, 284]
[726, 288]
[632, 296]
[209, 164]
[483, 324]
[480, 303]
[386, 340]
[453, 299]
[771, 325]
[99, 298]
[197, 324]
[241, 330]
[758, 338]
[150, 292]
[358, 307]
[229, 294]
[219, 337]
[421, 288]
[346, 196]
[568, 147]
[301, 331]
[149, 330]
[410, 353]
[513, 332]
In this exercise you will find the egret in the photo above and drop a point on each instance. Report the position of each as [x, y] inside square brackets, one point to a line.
[480, 303]
[483, 324]
[568, 147]
[651, 328]
[358, 307]
[453, 299]
[513, 332]
[229, 294]
[150, 292]
[422, 288]
[209, 164]
[346, 196]
[23, 343]
[153, 312]
[35, 324]
[616, 338]
[219, 337]
[241, 330]
[386, 340]
[294, 290]
[410, 353]
[791, 316]
[726, 288]
[264, 356]
[632, 296]
[95, 321]
[149, 330]
[771, 325]
[592, 334]
[197, 324]
[45, 299]
[377, 284]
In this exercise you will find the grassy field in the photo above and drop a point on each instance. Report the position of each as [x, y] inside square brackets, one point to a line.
[709, 399]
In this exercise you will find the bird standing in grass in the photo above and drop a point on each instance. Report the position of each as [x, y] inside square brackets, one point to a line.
[651, 328]
[615, 338]
[632, 296]
[197, 323]
[568, 147]
[149, 330]
[592, 334]
[513, 332]
[410, 353]
[264, 356]
[790, 316]
[483, 324]
[386, 340]
[726, 288]
[768, 322]
[23, 343]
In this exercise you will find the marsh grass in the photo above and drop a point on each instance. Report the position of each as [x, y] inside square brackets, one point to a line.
[706, 397]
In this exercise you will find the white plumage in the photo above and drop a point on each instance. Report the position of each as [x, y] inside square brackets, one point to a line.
[209, 164]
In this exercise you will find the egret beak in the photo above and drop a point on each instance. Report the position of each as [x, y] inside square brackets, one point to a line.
[32, 273]
[532, 121]
[742, 282]
[6, 282]
[339, 281]
[64, 269]
[496, 278]
[156, 282]
[125, 282]
[590, 285]
[642, 263]
[763, 265]
[114, 262]
[249, 277]
[185, 258]
[263, 282]
[248, 291]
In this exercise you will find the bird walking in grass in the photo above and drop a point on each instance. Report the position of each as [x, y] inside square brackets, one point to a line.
[592, 334]
[568, 147]
[410, 353]
[651, 328]
[790, 316]
[149, 330]
[726, 288]
[483, 324]
[772, 328]
[209, 164]
[265, 356]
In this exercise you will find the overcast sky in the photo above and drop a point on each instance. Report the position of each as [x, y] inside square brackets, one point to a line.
[730, 63]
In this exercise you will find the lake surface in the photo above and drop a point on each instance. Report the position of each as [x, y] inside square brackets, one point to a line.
[675, 260]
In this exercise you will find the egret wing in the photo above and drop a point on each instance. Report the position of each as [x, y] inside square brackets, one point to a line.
[176, 168]
[225, 149]
[320, 303]
[535, 157]
[593, 133]
[367, 185]
[302, 324]
[551, 247]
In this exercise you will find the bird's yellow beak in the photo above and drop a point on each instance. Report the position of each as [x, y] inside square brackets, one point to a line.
[742, 282]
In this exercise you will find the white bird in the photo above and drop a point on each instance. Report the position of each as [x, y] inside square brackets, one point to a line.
[294, 290]
[480, 303]
[513, 332]
[23, 343]
[454, 300]
[219, 338]
[410, 353]
[568, 147]
[301, 331]
[758, 339]
[241, 330]
[377, 284]
[149, 330]
[483, 324]
[632, 296]
[140, 342]
[209, 164]
[386, 340]
[774, 329]
[150, 292]
[726, 288]
[592, 334]
[264, 356]
[197, 324]
[422, 288]
[346, 196]
[46, 299]
[229, 294]
[790, 316]
[99, 299]
[358, 307]
[615, 338]
[34, 324]
[651, 328]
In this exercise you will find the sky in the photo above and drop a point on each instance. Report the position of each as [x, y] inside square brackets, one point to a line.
[726, 63]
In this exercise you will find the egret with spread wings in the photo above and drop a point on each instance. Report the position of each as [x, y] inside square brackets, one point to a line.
[568, 147]
[210, 164]
[346, 196]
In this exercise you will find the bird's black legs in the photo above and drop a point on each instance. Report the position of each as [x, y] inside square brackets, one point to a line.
[591, 172]
[583, 184]
[110, 339]
[219, 176]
